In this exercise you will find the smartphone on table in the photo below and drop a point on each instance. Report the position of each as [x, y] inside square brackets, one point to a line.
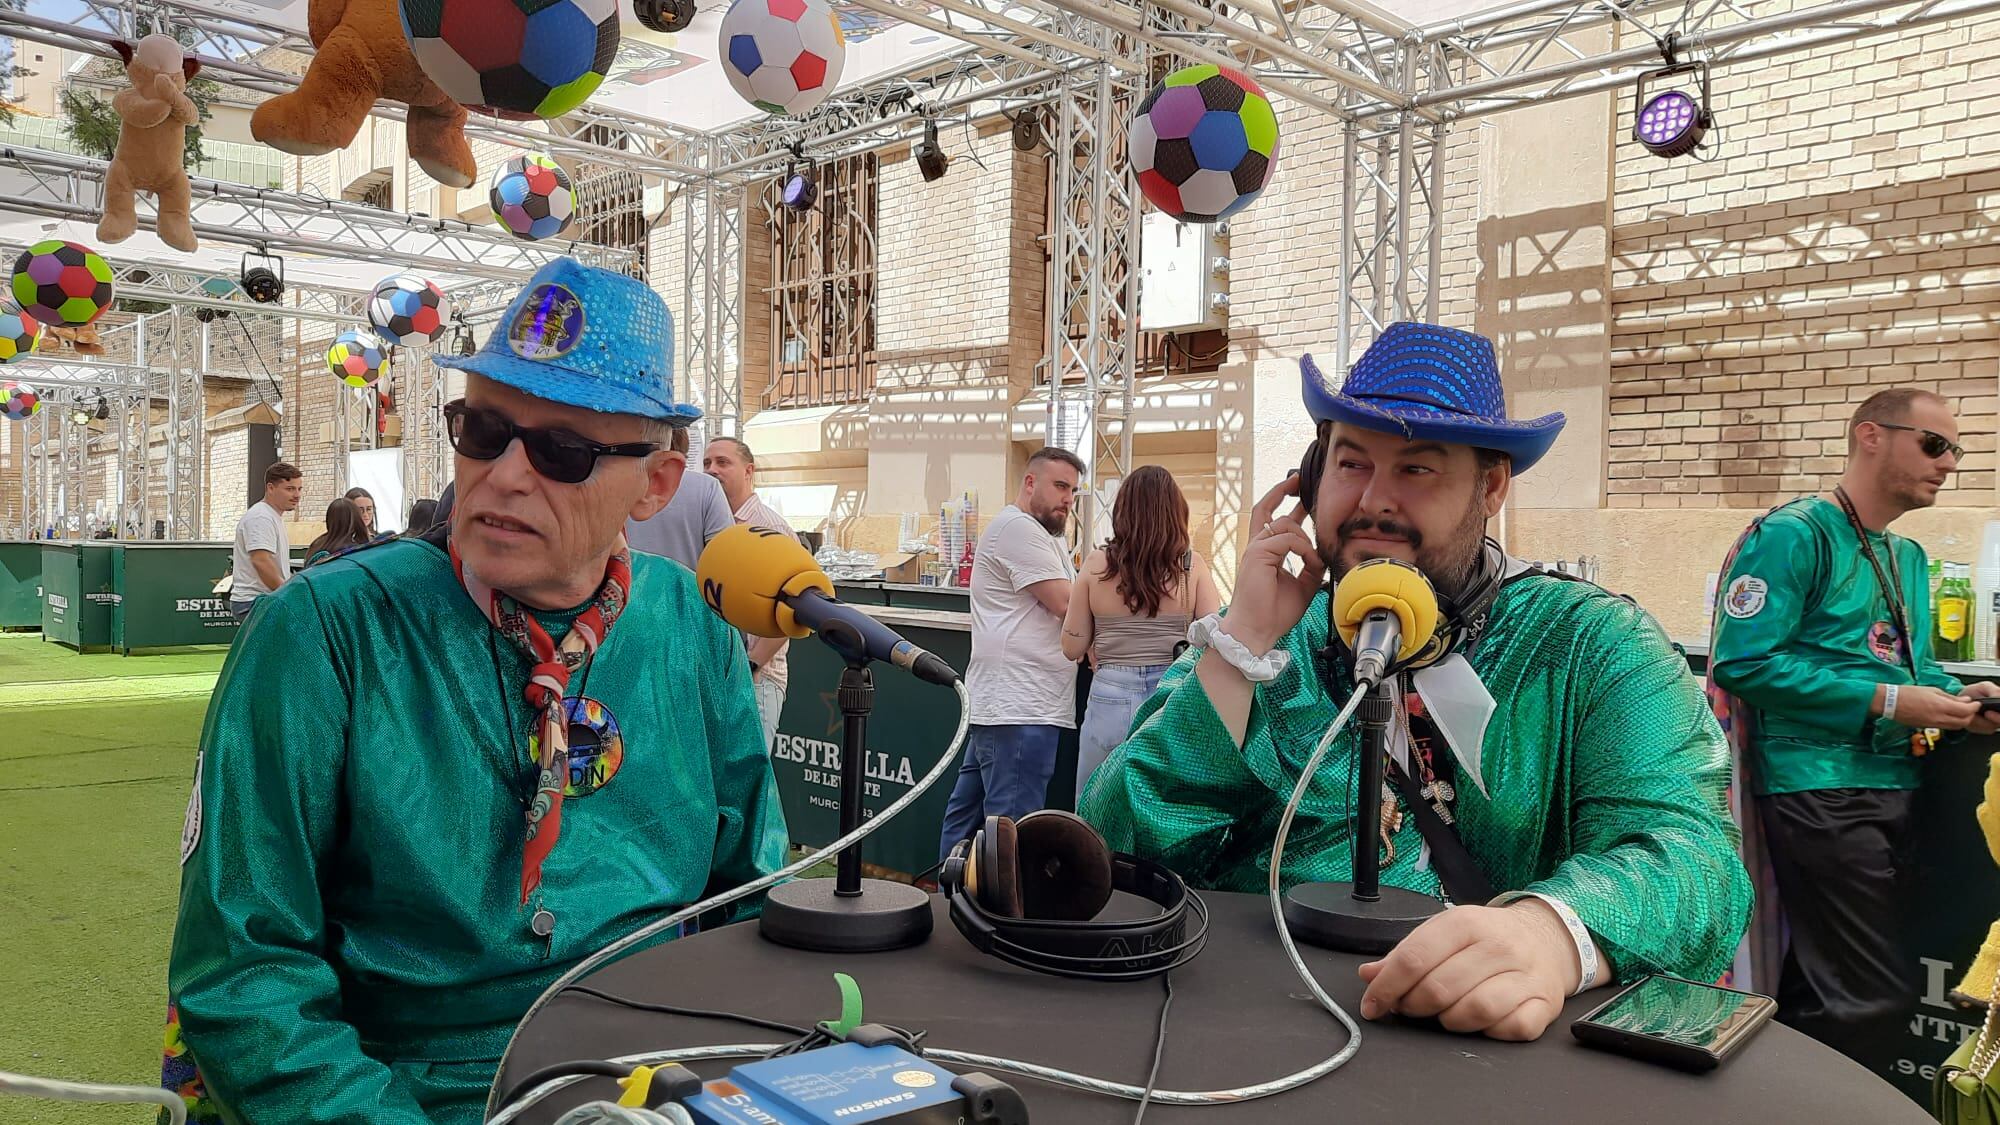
[1675, 1022]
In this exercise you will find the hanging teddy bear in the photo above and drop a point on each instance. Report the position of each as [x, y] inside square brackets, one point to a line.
[363, 55]
[82, 340]
[153, 116]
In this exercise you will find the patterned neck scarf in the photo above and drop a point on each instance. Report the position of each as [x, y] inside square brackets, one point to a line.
[547, 682]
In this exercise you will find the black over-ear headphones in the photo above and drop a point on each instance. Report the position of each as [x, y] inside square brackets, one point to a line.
[1025, 891]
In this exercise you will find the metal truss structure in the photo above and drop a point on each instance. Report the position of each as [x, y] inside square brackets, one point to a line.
[1078, 65]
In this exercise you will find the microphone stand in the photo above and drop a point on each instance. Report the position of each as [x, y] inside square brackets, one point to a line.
[848, 914]
[1362, 916]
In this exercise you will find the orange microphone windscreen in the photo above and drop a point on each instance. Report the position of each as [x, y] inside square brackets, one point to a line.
[744, 569]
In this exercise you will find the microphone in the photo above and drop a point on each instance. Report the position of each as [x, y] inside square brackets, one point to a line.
[763, 582]
[1386, 611]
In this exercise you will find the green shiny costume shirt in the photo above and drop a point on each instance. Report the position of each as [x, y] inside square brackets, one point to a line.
[1605, 769]
[1803, 635]
[351, 944]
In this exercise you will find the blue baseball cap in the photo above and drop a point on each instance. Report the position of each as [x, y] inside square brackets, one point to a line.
[1430, 383]
[583, 336]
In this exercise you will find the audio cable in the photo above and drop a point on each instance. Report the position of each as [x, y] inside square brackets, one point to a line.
[63, 1091]
[1056, 1075]
[947, 763]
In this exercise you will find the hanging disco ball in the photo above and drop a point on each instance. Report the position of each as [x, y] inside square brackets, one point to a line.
[20, 334]
[20, 402]
[65, 283]
[1204, 143]
[522, 59]
[356, 357]
[783, 56]
[532, 197]
[407, 309]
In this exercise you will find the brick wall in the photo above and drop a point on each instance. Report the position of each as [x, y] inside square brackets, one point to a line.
[945, 264]
[1842, 242]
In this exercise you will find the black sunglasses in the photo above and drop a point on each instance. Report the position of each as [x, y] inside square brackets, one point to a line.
[1934, 444]
[559, 455]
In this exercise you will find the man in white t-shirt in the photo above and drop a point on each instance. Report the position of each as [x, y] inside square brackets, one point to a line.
[263, 556]
[1022, 688]
[731, 463]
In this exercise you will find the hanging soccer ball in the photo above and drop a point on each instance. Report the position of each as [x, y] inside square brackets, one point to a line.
[407, 309]
[356, 357]
[1205, 143]
[515, 58]
[64, 283]
[20, 334]
[21, 402]
[783, 56]
[531, 196]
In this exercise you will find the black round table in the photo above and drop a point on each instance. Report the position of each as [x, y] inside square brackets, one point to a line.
[1240, 1016]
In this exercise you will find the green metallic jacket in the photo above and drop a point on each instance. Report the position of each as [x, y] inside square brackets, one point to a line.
[352, 946]
[1604, 768]
[1803, 634]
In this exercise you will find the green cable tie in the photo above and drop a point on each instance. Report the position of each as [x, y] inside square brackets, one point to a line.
[850, 1008]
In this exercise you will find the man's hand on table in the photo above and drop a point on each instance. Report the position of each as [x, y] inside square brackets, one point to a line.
[1503, 971]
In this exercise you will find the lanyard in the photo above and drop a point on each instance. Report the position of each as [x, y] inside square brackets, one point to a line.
[1921, 741]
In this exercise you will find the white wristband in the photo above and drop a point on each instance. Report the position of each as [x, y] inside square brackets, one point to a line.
[1890, 691]
[1590, 970]
[1207, 633]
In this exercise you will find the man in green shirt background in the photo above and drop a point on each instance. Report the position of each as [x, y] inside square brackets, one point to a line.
[1823, 632]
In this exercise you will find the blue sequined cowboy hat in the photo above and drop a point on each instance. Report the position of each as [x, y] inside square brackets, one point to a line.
[583, 336]
[1430, 383]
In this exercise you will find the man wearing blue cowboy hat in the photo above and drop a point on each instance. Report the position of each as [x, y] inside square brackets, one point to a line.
[438, 771]
[1563, 744]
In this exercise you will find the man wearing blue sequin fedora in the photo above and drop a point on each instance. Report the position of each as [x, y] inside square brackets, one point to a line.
[438, 771]
[1554, 769]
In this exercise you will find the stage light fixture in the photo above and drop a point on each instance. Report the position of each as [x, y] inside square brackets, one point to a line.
[1672, 122]
[664, 16]
[1026, 135]
[801, 191]
[80, 414]
[103, 409]
[931, 160]
[265, 281]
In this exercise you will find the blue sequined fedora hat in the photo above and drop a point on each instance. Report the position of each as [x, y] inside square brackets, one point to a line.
[1430, 383]
[588, 337]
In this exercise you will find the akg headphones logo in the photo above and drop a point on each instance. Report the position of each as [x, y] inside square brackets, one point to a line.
[1126, 947]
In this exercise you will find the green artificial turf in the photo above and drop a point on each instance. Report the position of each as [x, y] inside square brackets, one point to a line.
[96, 756]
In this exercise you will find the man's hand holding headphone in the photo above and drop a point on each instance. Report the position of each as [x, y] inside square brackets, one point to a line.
[1269, 602]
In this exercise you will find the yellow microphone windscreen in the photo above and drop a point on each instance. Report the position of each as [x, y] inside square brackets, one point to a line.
[1390, 584]
[744, 569]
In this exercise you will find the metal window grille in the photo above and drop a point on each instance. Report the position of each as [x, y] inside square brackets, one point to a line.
[822, 295]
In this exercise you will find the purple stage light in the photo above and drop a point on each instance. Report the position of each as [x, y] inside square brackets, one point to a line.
[800, 191]
[1670, 124]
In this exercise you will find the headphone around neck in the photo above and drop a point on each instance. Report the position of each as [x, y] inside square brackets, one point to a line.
[1025, 891]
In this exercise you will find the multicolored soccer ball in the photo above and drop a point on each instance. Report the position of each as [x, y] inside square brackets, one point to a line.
[21, 401]
[532, 197]
[783, 56]
[515, 58]
[1205, 143]
[64, 283]
[407, 309]
[20, 335]
[356, 357]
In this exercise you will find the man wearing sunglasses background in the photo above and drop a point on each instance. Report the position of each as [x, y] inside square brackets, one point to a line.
[443, 768]
[1823, 660]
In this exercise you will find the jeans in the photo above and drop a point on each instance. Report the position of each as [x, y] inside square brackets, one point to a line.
[770, 701]
[1116, 691]
[1005, 773]
[240, 609]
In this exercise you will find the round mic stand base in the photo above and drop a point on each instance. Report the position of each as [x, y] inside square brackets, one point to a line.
[1328, 915]
[810, 914]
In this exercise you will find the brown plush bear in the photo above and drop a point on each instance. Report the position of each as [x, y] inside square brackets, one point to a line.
[82, 340]
[153, 116]
[362, 56]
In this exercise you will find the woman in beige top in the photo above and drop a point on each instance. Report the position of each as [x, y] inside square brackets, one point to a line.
[1130, 608]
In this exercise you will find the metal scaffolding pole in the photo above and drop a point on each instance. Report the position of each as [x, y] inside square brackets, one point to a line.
[712, 305]
[186, 504]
